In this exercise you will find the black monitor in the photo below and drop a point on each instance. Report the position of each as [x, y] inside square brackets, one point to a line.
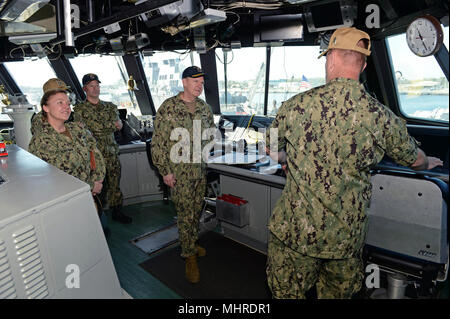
[330, 15]
[327, 14]
[279, 28]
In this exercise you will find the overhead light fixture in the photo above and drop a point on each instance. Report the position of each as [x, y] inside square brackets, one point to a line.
[31, 38]
[187, 9]
[298, 1]
[208, 16]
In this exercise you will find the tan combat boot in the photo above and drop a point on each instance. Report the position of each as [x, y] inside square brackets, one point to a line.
[201, 252]
[192, 272]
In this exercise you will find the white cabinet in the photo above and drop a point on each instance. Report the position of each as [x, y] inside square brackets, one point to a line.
[138, 182]
[48, 222]
[261, 191]
[129, 177]
[255, 234]
[147, 177]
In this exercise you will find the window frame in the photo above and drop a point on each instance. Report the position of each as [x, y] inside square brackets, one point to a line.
[147, 63]
[122, 72]
[19, 84]
[396, 93]
[268, 65]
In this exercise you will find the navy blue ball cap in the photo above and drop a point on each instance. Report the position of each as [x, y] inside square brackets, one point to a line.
[90, 77]
[192, 72]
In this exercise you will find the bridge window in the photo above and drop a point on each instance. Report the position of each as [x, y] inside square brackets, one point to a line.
[163, 71]
[421, 84]
[293, 70]
[241, 74]
[30, 76]
[113, 76]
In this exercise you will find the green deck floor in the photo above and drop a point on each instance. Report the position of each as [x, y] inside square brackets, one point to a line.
[147, 217]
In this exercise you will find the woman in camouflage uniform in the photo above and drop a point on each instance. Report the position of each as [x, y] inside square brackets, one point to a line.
[68, 146]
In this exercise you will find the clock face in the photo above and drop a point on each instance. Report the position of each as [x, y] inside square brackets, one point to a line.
[424, 36]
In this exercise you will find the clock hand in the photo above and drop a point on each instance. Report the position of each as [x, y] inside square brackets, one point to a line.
[421, 38]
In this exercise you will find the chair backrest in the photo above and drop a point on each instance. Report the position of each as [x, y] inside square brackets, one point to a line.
[148, 149]
[163, 187]
[408, 216]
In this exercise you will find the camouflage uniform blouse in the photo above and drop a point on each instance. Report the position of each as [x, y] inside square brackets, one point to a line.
[99, 119]
[173, 113]
[71, 155]
[333, 134]
[36, 123]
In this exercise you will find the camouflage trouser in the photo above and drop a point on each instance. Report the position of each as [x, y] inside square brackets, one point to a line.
[290, 274]
[187, 195]
[111, 184]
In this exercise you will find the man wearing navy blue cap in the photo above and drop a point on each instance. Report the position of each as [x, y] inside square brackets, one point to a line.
[193, 72]
[102, 119]
[187, 181]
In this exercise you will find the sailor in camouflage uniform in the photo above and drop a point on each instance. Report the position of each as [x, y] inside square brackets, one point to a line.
[68, 146]
[102, 119]
[332, 135]
[187, 179]
[38, 118]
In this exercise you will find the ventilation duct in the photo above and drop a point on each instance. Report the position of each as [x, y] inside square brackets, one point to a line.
[3, 4]
[24, 22]
[21, 10]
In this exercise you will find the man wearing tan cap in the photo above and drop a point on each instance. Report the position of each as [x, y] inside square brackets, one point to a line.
[332, 135]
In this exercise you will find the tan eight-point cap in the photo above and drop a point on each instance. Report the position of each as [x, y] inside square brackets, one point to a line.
[347, 39]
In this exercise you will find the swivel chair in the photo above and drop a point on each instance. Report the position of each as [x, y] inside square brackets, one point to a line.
[408, 229]
[162, 185]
